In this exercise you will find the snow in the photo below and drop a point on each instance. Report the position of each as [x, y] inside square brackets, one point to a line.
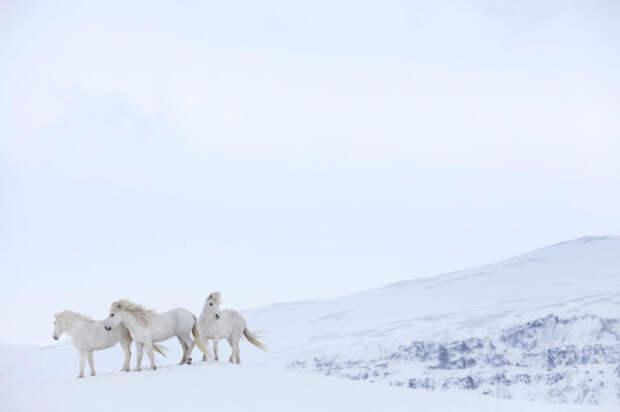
[542, 326]
[580, 276]
[42, 380]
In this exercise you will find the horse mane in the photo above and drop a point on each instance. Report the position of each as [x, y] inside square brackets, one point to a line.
[73, 316]
[216, 297]
[138, 311]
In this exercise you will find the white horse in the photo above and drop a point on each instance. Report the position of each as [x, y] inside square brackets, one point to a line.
[147, 326]
[226, 324]
[89, 335]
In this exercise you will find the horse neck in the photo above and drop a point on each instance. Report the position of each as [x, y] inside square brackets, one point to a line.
[211, 309]
[70, 325]
[130, 320]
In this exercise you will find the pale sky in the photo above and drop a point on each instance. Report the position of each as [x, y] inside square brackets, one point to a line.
[279, 151]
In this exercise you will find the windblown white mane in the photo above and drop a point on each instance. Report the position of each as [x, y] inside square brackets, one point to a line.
[138, 311]
[71, 316]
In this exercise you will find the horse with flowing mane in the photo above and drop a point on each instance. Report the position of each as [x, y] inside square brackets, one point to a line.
[226, 324]
[89, 335]
[147, 326]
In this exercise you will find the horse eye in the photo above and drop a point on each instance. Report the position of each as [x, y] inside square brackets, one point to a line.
[211, 304]
[111, 315]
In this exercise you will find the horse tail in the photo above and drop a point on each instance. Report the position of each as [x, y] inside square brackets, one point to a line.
[198, 340]
[253, 339]
[159, 349]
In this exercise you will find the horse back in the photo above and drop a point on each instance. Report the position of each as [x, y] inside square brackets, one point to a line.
[182, 319]
[233, 318]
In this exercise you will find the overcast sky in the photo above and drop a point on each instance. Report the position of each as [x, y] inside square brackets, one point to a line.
[282, 150]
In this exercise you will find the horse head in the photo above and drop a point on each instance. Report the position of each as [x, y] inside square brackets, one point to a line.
[57, 327]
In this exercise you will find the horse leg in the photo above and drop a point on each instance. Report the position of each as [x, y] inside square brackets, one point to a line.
[126, 345]
[215, 342]
[187, 338]
[140, 348]
[148, 347]
[91, 363]
[232, 353]
[184, 346]
[82, 361]
[236, 340]
[206, 344]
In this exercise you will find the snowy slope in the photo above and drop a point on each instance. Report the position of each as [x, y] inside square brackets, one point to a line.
[542, 325]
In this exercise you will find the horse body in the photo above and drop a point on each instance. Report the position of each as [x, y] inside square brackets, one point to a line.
[88, 335]
[147, 327]
[226, 324]
[174, 322]
[93, 336]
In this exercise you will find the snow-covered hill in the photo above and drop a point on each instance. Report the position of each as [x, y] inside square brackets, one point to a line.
[540, 326]
[543, 325]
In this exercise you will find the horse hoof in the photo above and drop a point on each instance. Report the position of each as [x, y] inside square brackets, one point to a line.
[189, 361]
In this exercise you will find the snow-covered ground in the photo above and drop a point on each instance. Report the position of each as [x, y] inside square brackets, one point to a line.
[541, 326]
[35, 379]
